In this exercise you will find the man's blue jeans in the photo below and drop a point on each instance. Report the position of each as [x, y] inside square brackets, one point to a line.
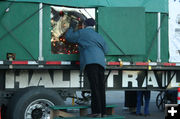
[140, 95]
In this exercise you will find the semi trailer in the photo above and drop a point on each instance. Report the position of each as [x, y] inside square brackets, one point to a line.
[39, 68]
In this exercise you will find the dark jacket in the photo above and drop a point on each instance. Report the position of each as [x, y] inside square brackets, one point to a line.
[92, 46]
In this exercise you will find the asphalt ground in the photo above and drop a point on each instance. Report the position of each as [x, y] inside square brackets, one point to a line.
[117, 97]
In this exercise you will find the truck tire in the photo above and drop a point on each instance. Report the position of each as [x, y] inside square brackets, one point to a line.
[33, 103]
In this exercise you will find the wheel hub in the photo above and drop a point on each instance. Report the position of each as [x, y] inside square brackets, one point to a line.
[38, 109]
[37, 113]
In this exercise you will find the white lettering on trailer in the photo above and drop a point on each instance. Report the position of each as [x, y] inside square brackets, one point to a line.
[129, 77]
[40, 77]
[22, 78]
[9, 79]
[110, 80]
[164, 82]
[151, 80]
[55, 79]
[1, 62]
[173, 82]
[58, 79]
[74, 76]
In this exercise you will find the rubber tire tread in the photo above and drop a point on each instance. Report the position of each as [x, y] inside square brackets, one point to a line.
[23, 97]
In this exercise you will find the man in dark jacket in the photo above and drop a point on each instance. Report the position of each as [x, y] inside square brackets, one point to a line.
[92, 48]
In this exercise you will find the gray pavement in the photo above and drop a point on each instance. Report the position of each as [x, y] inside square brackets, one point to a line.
[117, 97]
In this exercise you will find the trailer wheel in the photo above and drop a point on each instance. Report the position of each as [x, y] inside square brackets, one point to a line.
[161, 101]
[33, 103]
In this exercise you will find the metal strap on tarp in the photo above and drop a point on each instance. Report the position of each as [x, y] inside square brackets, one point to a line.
[154, 39]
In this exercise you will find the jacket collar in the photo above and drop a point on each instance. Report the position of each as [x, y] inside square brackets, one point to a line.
[91, 27]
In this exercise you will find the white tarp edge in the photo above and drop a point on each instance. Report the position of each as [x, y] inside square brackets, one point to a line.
[174, 30]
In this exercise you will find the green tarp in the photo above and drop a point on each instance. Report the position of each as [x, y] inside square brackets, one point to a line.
[149, 5]
[125, 29]
[142, 47]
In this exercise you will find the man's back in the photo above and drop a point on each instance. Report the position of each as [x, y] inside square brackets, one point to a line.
[92, 46]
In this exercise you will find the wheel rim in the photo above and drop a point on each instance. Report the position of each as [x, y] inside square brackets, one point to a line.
[38, 109]
[161, 101]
